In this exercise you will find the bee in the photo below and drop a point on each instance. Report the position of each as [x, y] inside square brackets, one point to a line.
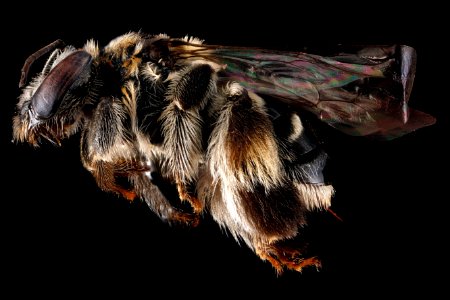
[195, 129]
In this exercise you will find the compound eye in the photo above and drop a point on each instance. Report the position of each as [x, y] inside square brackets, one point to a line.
[62, 78]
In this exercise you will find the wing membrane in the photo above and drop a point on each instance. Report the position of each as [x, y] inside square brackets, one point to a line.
[360, 93]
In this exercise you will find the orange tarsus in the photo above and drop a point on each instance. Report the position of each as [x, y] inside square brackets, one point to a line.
[310, 261]
[184, 195]
[283, 257]
[188, 219]
[129, 195]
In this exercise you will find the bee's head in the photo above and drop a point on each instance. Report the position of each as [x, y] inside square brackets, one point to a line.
[51, 105]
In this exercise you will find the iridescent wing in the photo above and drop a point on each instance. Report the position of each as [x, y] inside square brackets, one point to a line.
[361, 93]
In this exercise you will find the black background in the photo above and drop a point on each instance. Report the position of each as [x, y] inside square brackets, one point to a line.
[62, 235]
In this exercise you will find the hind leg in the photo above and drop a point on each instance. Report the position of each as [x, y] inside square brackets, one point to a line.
[285, 257]
[182, 126]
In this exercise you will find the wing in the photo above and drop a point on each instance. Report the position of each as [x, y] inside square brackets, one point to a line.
[361, 93]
